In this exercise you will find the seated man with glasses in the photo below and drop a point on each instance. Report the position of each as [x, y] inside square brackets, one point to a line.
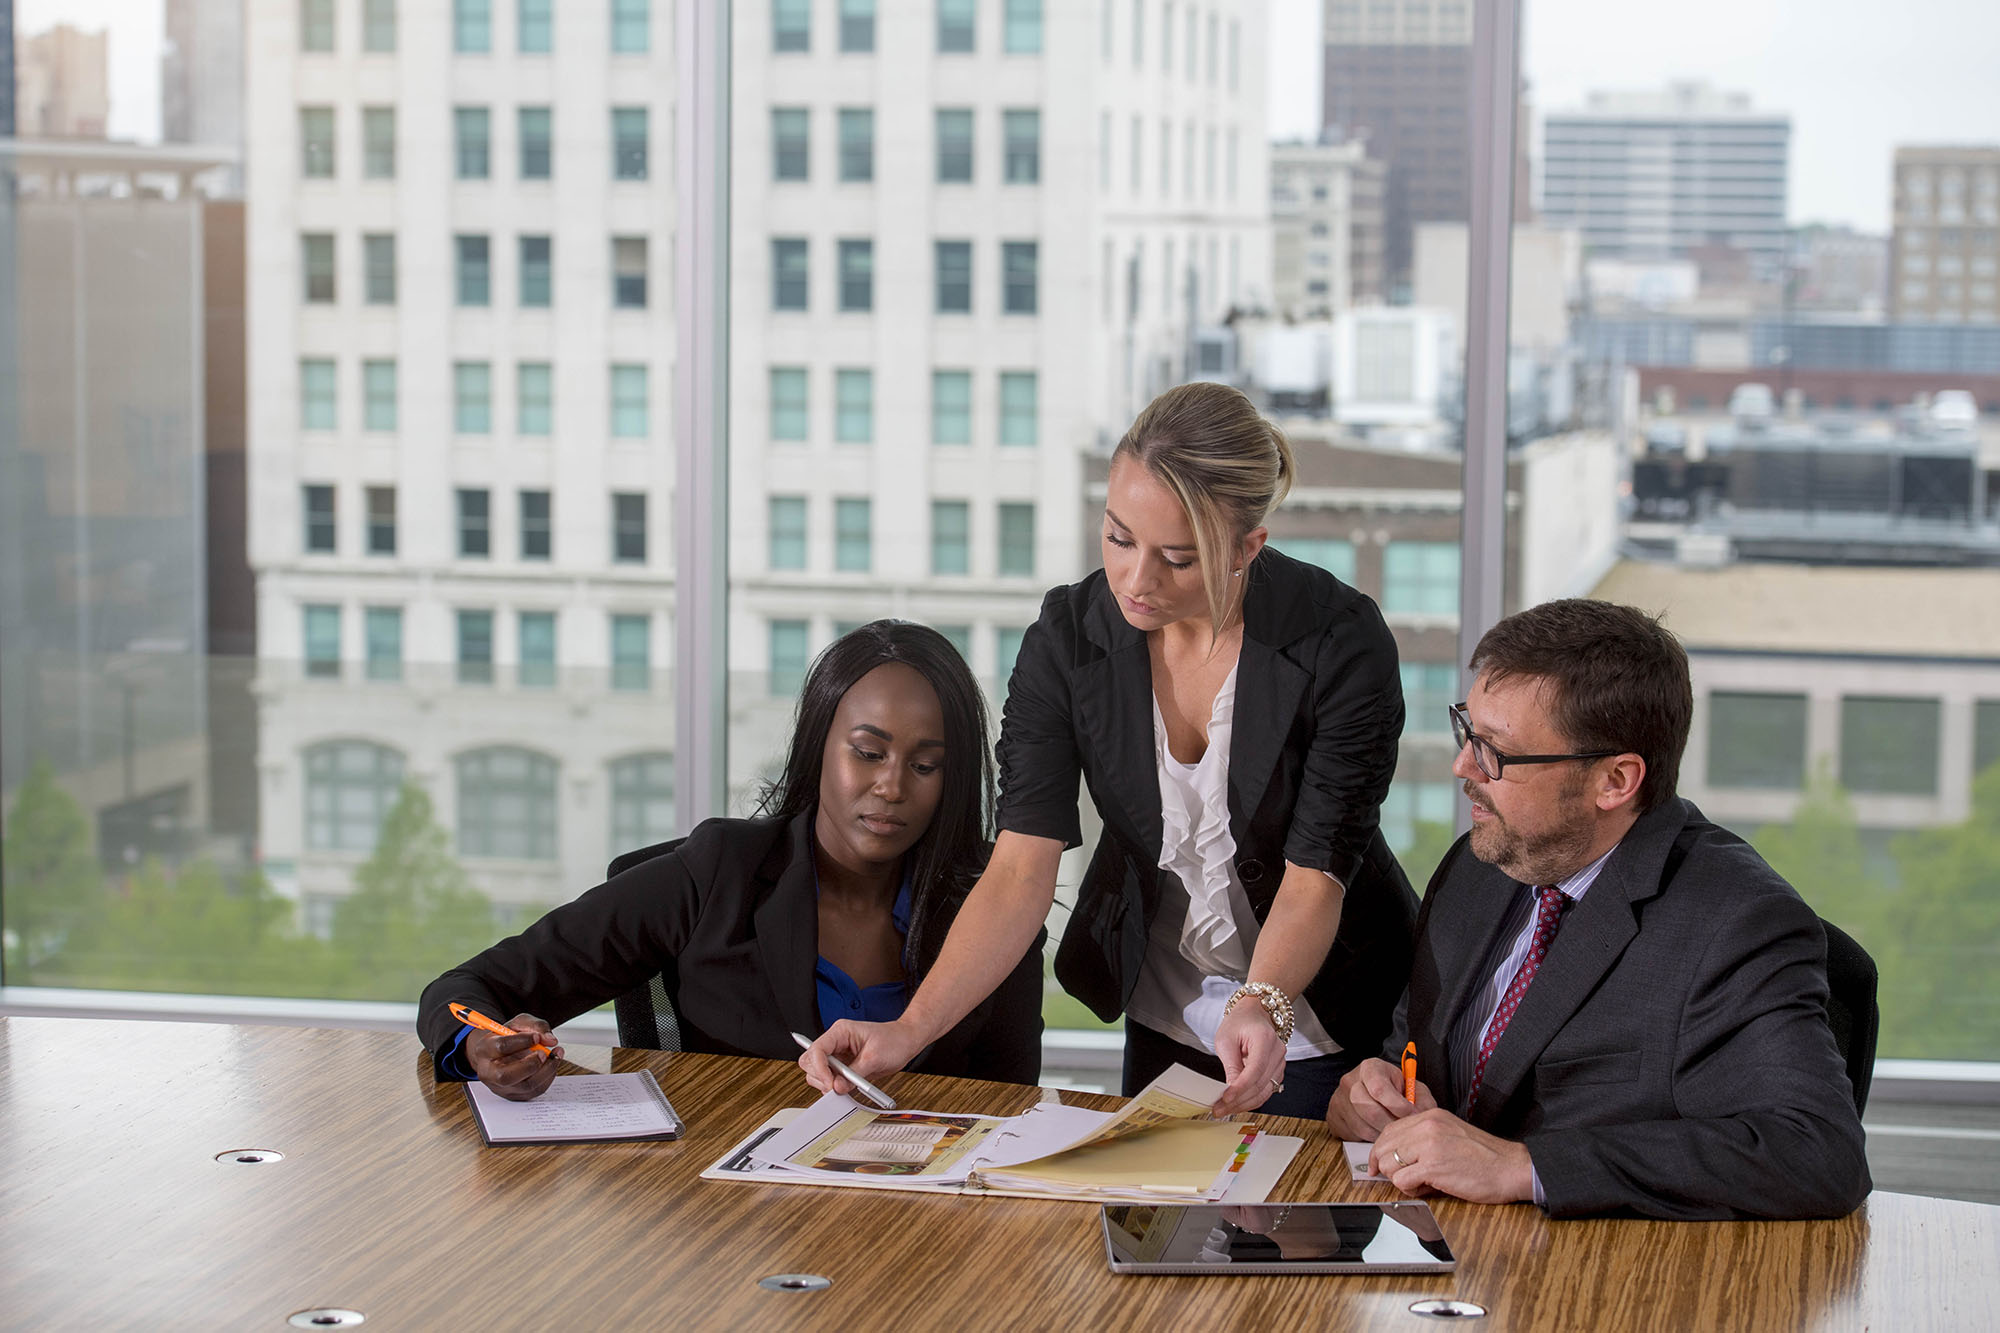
[1616, 1005]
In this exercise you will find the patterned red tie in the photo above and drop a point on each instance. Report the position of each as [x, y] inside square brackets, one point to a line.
[1548, 911]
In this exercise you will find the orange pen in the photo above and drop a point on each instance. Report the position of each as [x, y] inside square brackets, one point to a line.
[479, 1020]
[1410, 1073]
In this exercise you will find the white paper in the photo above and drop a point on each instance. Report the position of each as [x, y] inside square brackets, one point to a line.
[1357, 1162]
[1044, 1128]
[578, 1106]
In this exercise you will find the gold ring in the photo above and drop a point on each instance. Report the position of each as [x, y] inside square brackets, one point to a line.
[1275, 1085]
[1398, 1156]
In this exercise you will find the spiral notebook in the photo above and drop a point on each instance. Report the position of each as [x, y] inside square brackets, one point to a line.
[578, 1108]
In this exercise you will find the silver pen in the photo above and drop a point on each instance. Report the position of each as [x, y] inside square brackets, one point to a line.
[861, 1085]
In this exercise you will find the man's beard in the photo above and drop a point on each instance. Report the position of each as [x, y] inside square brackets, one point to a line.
[1545, 857]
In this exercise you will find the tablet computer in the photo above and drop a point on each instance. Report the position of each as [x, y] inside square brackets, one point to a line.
[1275, 1238]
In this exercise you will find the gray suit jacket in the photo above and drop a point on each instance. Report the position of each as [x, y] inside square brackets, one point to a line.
[1672, 1057]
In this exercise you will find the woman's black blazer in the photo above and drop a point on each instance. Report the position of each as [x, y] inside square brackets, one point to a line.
[1319, 711]
[729, 919]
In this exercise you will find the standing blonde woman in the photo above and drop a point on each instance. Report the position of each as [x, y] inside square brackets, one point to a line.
[1235, 714]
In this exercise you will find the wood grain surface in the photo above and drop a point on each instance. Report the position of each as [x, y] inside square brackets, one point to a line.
[114, 1214]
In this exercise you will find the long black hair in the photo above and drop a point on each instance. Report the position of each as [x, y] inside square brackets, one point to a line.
[949, 856]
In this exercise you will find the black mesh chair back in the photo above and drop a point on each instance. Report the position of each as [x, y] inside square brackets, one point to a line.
[1851, 1008]
[645, 1014]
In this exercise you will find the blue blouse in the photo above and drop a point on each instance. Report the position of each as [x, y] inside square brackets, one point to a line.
[840, 998]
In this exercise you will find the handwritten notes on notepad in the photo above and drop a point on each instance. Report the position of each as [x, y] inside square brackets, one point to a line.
[578, 1108]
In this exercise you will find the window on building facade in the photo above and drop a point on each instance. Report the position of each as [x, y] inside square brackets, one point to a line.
[631, 411]
[1756, 740]
[630, 157]
[475, 523]
[381, 504]
[378, 26]
[382, 626]
[1420, 578]
[954, 277]
[854, 406]
[475, 647]
[1006, 648]
[316, 25]
[472, 397]
[628, 528]
[1889, 746]
[1332, 554]
[378, 143]
[951, 407]
[951, 537]
[322, 642]
[956, 23]
[350, 788]
[628, 272]
[1023, 140]
[1019, 265]
[631, 652]
[378, 265]
[1021, 30]
[534, 398]
[536, 125]
[1429, 691]
[1985, 735]
[959, 637]
[1017, 540]
[788, 273]
[790, 409]
[788, 532]
[507, 804]
[316, 261]
[791, 143]
[857, 275]
[1020, 407]
[318, 395]
[631, 27]
[954, 145]
[472, 27]
[642, 801]
[537, 272]
[534, 27]
[857, 26]
[316, 142]
[537, 532]
[320, 531]
[474, 270]
[791, 25]
[857, 144]
[1409, 804]
[535, 664]
[853, 535]
[473, 134]
[788, 657]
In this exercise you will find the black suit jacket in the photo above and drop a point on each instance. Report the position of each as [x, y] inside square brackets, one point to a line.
[730, 919]
[1319, 710]
[1672, 1056]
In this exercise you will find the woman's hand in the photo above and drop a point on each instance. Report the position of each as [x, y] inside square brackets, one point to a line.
[869, 1049]
[511, 1066]
[1253, 1059]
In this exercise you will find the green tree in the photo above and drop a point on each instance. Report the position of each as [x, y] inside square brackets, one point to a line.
[52, 881]
[1947, 924]
[1430, 842]
[1820, 852]
[413, 912]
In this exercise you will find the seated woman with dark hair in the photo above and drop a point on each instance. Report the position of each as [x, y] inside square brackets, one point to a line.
[830, 904]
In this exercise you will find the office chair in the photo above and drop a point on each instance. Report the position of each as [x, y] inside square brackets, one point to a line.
[1851, 1008]
[645, 1014]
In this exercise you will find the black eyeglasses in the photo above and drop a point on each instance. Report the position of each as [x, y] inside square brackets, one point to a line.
[1492, 762]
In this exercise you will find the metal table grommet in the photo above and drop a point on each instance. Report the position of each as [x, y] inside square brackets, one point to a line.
[251, 1156]
[1442, 1308]
[795, 1282]
[327, 1317]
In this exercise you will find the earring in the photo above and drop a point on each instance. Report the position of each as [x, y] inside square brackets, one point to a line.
[1235, 573]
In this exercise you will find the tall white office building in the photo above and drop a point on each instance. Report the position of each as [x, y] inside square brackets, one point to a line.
[1656, 175]
[969, 239]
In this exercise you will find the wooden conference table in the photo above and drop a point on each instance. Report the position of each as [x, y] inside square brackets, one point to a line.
[115, 1213]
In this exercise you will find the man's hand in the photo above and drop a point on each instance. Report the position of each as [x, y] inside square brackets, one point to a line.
[1434, 1152]
[1369, 1099]
[511, 1066]
[869, 1049]
[1253, 1059]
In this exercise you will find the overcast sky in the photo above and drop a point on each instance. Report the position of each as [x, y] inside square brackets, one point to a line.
[1857, 77]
